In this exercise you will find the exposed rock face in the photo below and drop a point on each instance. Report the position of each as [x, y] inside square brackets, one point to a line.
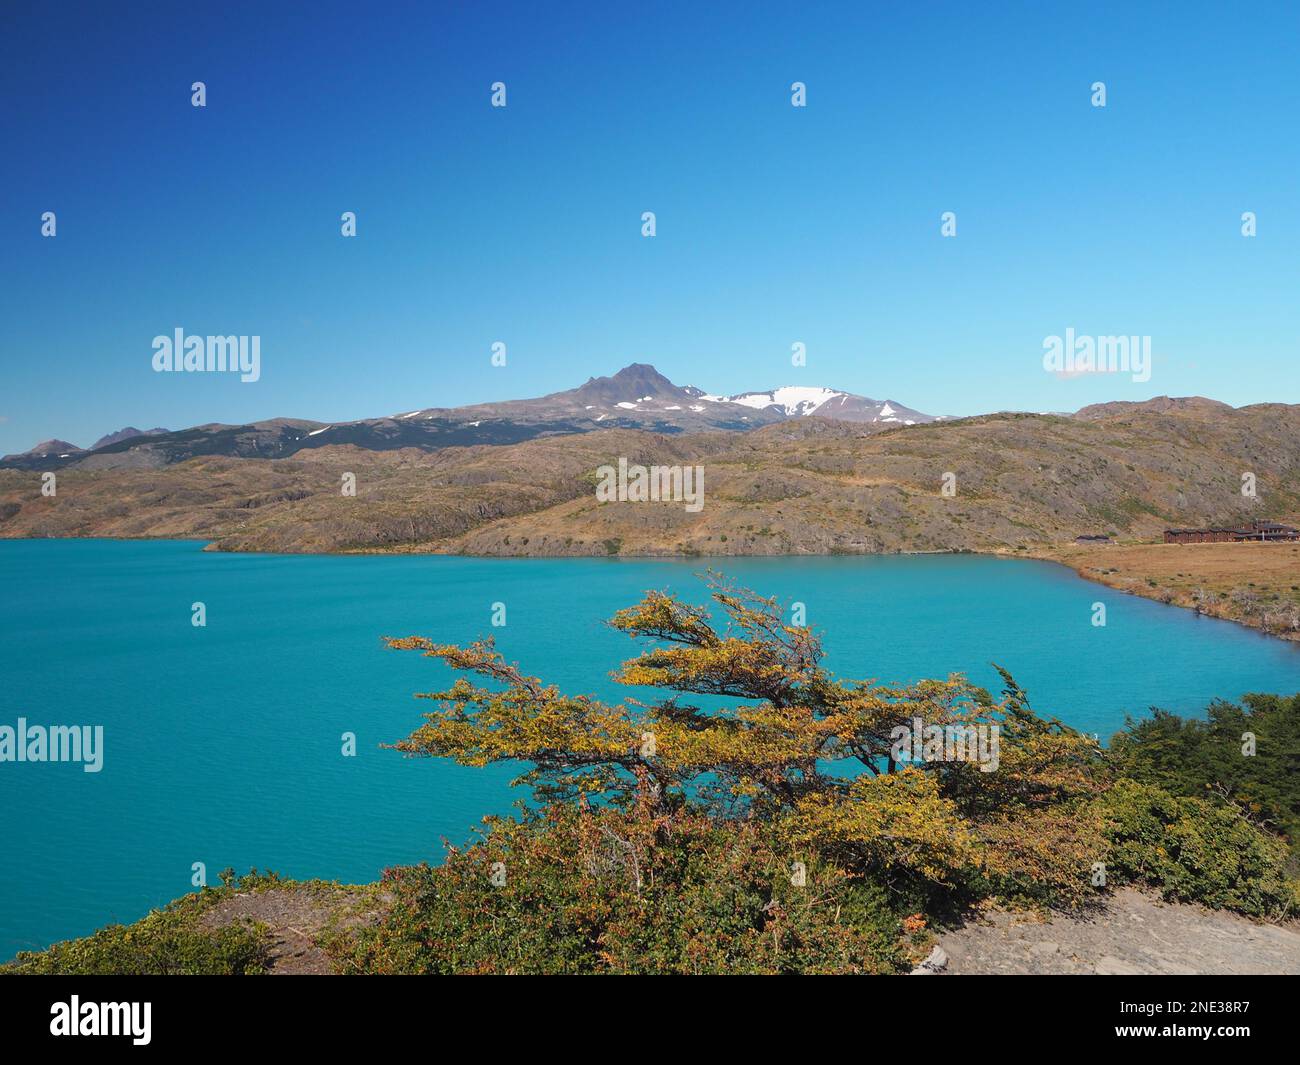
[936, 962]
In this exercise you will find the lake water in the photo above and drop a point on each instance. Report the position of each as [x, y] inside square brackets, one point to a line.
[222, 744]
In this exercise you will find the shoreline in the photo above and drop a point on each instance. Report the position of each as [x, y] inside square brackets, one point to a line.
[1227, 599]
[1237, 604]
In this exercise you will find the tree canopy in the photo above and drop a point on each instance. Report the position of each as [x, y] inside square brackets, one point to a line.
[784, 742]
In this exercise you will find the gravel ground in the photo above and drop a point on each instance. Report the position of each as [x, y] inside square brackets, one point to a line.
[1136, 933]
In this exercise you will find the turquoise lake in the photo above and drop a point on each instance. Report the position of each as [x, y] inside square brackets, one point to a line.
[222, 744]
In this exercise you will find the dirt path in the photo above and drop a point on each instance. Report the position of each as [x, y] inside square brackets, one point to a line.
[1136, 934]
[295, 917]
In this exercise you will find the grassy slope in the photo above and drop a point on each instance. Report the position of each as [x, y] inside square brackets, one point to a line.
[1252, 583]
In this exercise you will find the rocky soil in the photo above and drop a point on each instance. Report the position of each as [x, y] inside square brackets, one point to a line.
[297, 916]
[1133, 933]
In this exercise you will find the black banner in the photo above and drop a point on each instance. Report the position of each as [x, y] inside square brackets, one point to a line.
[303, 1015]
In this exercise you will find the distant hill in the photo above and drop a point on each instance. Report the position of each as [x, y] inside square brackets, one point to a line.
[637, 397]
[1157, 405]
[129, 433]
[47, 449]
[798, 485]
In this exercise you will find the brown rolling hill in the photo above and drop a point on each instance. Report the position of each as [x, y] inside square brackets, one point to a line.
[805, 486]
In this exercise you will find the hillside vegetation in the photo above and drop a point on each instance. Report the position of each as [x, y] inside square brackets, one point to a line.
[812, 486]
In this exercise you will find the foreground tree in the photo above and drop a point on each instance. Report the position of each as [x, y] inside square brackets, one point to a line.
[763, 817]
[782, 742]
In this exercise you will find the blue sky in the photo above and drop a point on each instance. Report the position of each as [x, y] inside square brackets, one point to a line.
[775, 224]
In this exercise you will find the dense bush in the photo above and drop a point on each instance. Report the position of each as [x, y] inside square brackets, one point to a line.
[165, 943]
[1194, 850]
[1206, 758]
[798, 765]
[602, 892]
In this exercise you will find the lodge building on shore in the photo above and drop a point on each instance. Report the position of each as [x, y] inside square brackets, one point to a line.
[1256, 530]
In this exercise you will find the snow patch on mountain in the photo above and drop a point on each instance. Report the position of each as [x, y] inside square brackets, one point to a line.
[794, 400]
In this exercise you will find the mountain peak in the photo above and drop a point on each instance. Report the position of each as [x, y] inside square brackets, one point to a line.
[636, 381]
[639, 374]
[639, 369]
[128, 433]
[52, 447]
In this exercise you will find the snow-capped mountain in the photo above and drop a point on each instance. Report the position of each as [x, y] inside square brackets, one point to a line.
[637, 397]
[797, 401]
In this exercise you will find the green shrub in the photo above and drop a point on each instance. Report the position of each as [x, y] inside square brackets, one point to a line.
[1205, 759]
[165, 943]
[1194, 850]
[591, 892]
[171, 941]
